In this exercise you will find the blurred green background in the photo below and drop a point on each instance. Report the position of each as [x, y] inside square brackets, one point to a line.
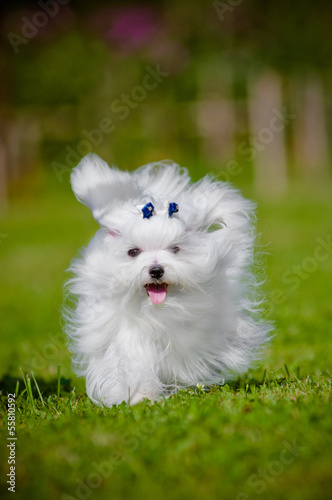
[241, 89]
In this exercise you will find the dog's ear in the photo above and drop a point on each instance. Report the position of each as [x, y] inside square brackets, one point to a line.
[218, 205]
[100, 187]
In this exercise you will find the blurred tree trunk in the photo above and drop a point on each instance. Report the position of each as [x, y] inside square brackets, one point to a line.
[268, 119]
[310, 133]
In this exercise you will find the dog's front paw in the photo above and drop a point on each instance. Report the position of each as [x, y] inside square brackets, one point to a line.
[141, 394]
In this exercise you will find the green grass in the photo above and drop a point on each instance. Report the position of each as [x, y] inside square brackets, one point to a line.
[267, 435]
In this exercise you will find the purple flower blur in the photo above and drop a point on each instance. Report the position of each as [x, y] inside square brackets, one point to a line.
[133, 27]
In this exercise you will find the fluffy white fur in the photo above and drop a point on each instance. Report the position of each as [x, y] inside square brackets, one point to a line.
[207, 329]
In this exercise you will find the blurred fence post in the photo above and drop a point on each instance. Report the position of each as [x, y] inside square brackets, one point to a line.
[216, 125]
[267, 126]
[310, 132]
[20, 138]
[5, 125]
[3, 173]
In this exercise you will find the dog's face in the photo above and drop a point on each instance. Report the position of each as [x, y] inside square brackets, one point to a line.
[157, 259]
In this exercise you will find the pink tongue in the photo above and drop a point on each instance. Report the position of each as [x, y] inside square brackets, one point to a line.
[157, 293]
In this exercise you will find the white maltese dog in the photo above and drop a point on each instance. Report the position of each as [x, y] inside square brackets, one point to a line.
[165, 295]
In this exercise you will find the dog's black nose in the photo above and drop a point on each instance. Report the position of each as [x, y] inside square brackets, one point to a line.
[156, 272]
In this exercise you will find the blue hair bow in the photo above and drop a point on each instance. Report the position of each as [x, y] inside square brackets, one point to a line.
[173, 208]
[148, 210]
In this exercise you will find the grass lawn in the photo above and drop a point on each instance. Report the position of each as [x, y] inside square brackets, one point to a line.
[267, 435]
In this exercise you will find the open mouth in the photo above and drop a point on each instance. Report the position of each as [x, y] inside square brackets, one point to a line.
[157, 292]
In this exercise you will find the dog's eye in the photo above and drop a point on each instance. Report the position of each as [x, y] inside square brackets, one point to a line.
[175, 249]
[134, 252]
